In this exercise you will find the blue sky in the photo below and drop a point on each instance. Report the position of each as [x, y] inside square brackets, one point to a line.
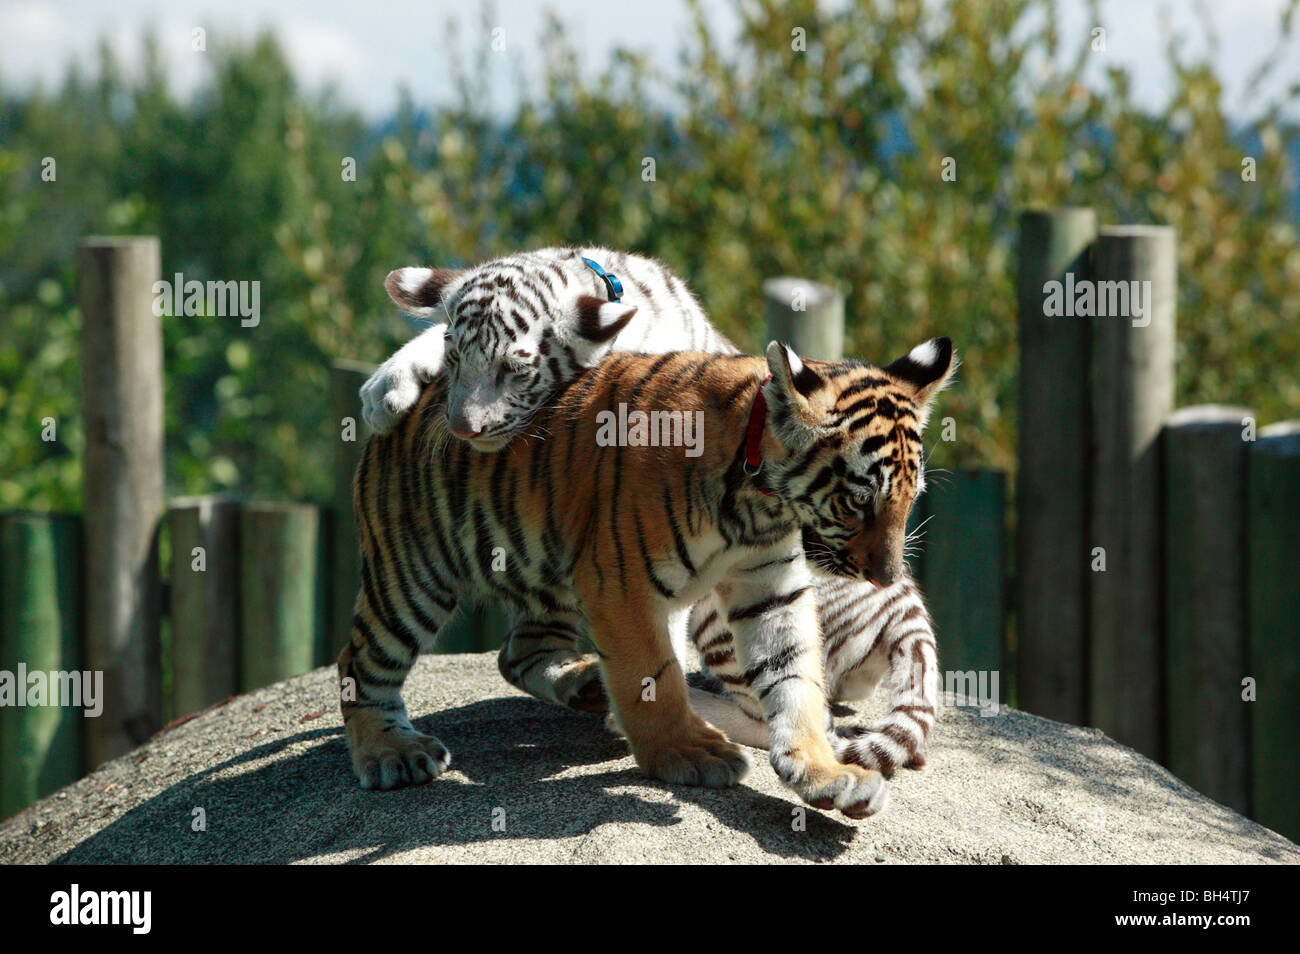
[368, 49]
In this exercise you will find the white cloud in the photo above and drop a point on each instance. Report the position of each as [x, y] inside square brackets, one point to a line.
[29, 33]
[322, 53]
[22, 22]
[370, 49]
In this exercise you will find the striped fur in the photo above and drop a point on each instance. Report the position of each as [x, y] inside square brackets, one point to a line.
[519, 328]
[622, 539]
[889, 634]
[529, 308]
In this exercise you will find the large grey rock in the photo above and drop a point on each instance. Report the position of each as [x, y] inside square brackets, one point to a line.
[271, 773]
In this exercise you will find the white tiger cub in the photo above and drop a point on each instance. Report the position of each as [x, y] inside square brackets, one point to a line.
[517, 330]
[523, 326]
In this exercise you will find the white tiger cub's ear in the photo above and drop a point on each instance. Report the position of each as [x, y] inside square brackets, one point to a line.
[927, 368]
[418, 291]
[595, 325]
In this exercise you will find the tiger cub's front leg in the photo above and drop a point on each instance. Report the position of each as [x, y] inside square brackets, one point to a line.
[387, 751]
[772, 611]
[648, 696]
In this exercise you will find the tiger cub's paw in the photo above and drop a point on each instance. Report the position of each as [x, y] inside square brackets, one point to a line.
[874, 749]
[581, 688]
[855, 791]
[701, 756]
[396, 756]
[388, 394]
[395, 386]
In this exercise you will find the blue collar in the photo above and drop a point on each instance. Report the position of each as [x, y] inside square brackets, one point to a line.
[611, 281]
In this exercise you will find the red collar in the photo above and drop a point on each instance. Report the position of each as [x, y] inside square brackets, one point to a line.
[754, 435]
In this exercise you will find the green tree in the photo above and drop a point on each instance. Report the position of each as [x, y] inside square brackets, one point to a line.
[883, 148]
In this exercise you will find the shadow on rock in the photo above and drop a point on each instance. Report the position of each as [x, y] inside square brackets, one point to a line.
[511, 764]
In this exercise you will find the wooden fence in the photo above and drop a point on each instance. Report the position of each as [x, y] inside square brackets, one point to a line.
[1155, 548]
[1144, 594]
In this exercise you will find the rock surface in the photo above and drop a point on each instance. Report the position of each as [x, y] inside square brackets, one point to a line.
[270, 772]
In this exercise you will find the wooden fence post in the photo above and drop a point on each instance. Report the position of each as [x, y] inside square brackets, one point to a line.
[463, 632]
[1052, 473]
[806, 315]
[1273, 475]
[474, 629]
[1135, 269]
[281, 585]
[964, 573]
[205, 583]
[122, 405]
[1206, 640]
[40, 630]
[492, 625]
[351, 432]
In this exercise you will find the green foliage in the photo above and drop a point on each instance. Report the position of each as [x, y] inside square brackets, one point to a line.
[823, 162]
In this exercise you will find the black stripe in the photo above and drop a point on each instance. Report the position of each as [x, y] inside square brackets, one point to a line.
[771, 686]
[635, 394]
[737, 391]
[873, 444]
[713, 614]
[679, 542]
[823, 478]
[374, 651]
[664, 591]
[775, 662]
[767, 605]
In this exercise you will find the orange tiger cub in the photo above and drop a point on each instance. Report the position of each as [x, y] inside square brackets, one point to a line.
[621, 534]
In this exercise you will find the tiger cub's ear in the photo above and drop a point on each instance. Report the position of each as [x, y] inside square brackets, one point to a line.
[794, 413]
[793, 379]
[926, 368]
[599, 320]
[418, 291]
[594, 326]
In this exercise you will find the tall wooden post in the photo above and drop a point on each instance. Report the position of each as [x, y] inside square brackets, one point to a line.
[1132, 388]
[40, 631]
[351, 432]
[122, 405]
[280, 560]
[806, 315]
[1052, 473]
[1205, 595]
[964, 570]
[1273, 468]
[205, 583]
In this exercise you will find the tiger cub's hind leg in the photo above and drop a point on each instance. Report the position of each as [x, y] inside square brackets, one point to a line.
[541, 657]
[387, 751]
